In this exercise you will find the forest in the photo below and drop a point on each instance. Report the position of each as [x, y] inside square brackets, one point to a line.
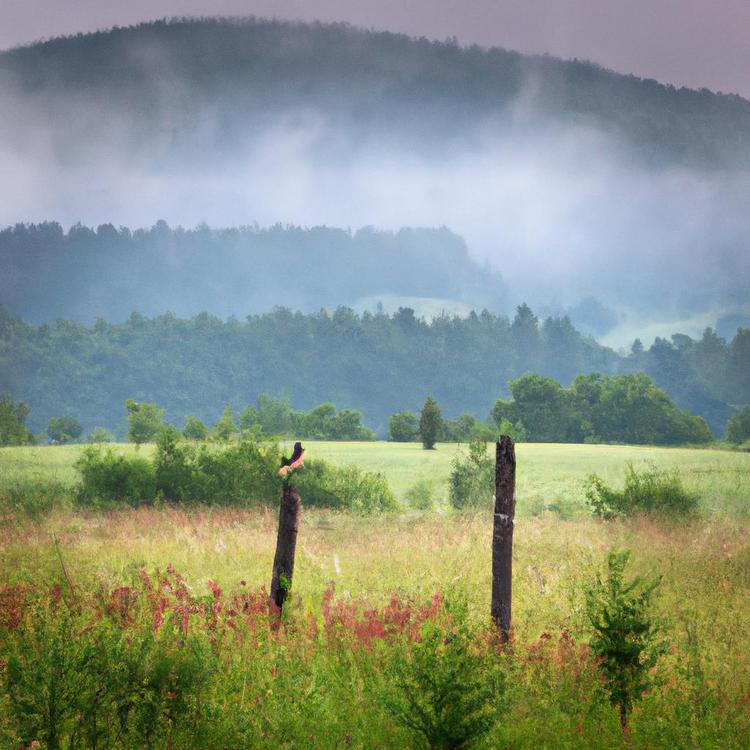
[245, 71]
[377, 364]
[108, 272]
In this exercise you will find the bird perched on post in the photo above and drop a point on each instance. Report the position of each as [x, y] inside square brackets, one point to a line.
[289, 464]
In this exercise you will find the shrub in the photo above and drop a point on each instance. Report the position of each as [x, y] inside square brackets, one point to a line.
[472, 478]
[625, 636]
[650, 491]
[239, 474]
[344, 488]
[110, 477]
[445, 686]
[421, 496]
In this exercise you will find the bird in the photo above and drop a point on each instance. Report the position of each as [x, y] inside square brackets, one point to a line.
[288, 464]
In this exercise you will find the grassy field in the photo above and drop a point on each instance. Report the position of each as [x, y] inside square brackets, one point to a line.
[549, 475]
[704, 562]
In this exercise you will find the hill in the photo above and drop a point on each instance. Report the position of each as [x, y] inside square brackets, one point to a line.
[569, 180]
[167, 79]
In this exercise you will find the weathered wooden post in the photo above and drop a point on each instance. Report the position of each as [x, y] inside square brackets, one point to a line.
[502, 534]
[286, 543]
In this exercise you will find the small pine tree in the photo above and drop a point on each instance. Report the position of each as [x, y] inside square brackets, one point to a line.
[430, 423]
[626, 638]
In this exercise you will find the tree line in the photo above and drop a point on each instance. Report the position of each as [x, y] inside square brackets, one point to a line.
[377, 364]
[105, 271]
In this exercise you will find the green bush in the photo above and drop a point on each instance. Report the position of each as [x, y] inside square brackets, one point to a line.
[344, 488]
[109, 477]
[445, 687]
[472, 479]
[243, 473]
[421, 496]
[649, 491]
[625, 638]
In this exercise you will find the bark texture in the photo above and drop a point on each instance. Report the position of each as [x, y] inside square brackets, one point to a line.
[286, 544]
[502, 534]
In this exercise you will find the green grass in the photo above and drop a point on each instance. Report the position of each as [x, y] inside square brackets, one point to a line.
[549, 475]
[704, 562]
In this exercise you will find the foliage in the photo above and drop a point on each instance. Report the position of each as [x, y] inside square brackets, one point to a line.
[109, 477]
[64, 429]
[242, 473]
[472, 478]
[430, 423]
[648, 491]
[344, 488]
[274, 418]
[446, 686]
[64, 366]
[403, 427]
[194, 429]
[12, 417]
[225, 428]
[144, 421]
[467, 428]
[626, 637]
[738, 427]
[598, 408]
[516, 432]
[421, 495]
[100, 435]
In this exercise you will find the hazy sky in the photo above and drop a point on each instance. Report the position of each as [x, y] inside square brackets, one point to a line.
[686, 42]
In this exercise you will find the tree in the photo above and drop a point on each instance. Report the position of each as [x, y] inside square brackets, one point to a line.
[430, 423]
[13, 431]
[144, 421]
[225, 428]
[738, 427]
[63, 429]
[194, 429]
[403, 427]
[625, 636]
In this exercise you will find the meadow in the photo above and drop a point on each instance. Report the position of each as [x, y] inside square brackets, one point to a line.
[552, 696]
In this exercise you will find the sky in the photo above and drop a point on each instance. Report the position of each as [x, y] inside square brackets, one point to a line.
[695, 43]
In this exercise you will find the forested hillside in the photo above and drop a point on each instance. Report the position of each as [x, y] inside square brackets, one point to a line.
[181, 74]
[378, 364]
[84, 274]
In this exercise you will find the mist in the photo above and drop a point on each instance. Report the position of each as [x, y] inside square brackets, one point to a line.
[562, 210]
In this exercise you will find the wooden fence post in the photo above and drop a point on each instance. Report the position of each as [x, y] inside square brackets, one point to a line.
[286, 543]
[502, 534]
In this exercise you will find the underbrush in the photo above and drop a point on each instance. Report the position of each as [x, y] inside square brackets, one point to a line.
[243, 474]
[648, 491]
[153, 663]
